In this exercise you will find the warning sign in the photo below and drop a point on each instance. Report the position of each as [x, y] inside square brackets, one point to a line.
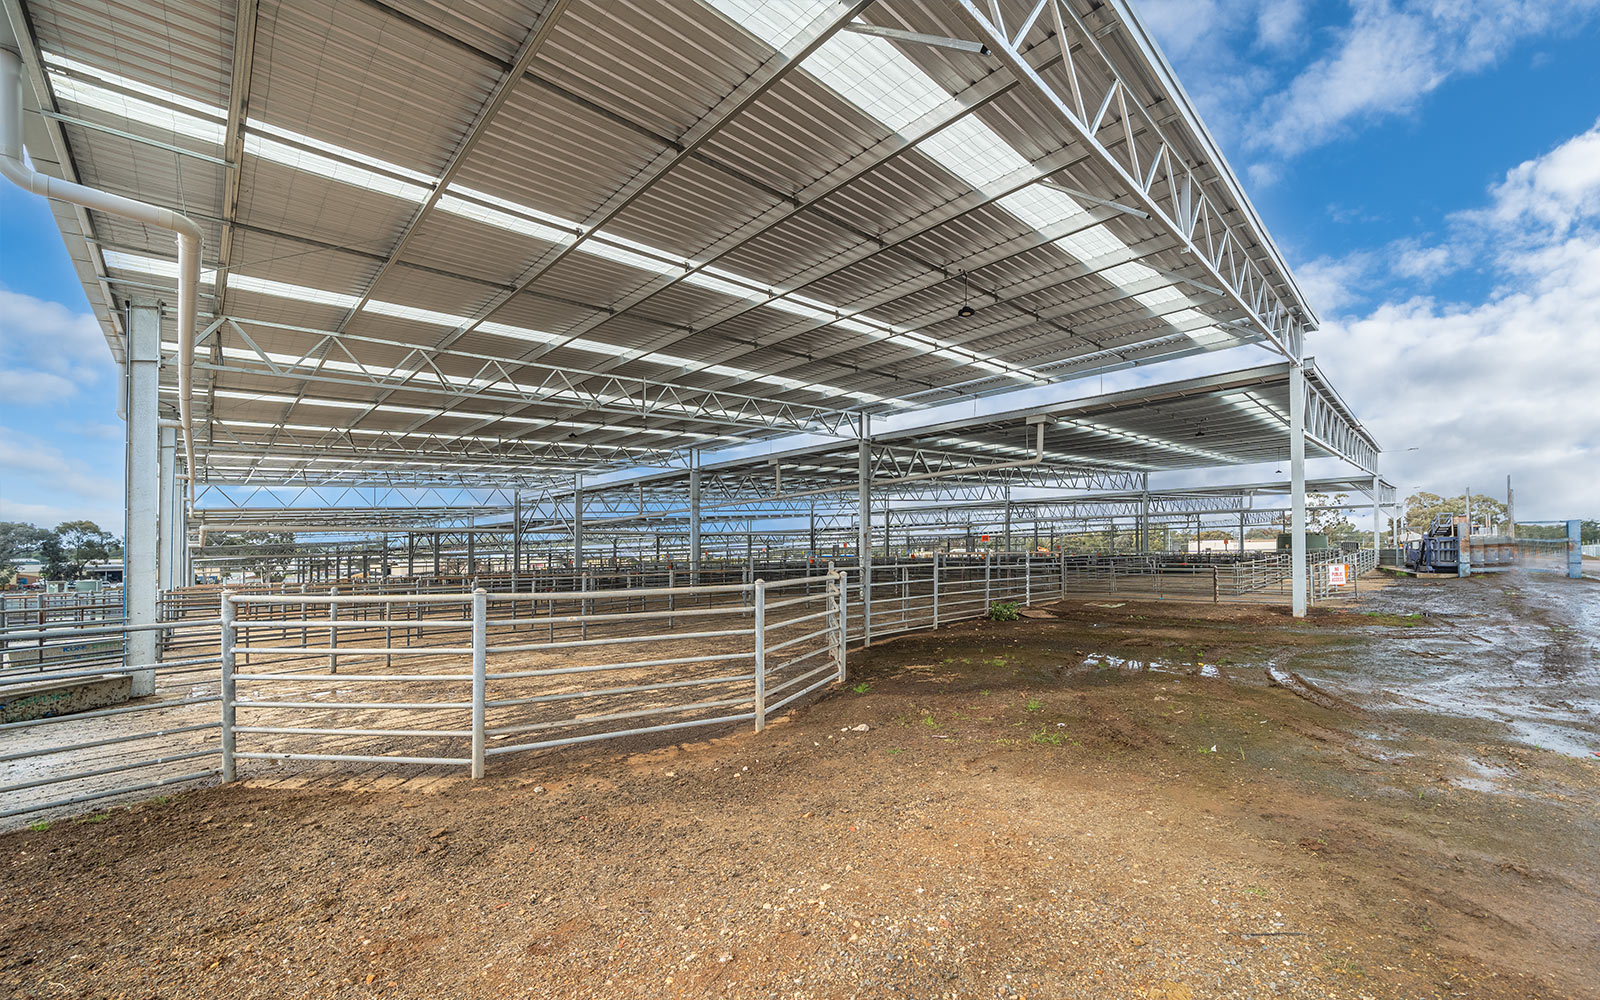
[1338, 574]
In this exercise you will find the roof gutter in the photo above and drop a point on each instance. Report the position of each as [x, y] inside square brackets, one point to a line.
[188, 234]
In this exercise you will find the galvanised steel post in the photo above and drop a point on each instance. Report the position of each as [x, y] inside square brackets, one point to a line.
[333, 631]
[1297, 487]
[516, 539]
[1574, 550]
[1027, 578]
[1377, 518]
[226, 647]
[936, 559]
[864, 529]
[988, 566]
[167, 531]
[837, 598]
[761, 654]
[1007, 536]
[480, 679]
[694, 519]
[140, 574]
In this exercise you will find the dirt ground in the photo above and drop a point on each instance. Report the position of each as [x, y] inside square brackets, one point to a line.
[1112, 802]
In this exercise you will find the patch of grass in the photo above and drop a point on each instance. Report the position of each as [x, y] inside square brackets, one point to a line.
[160, 800]
[1045, 737]
[92, 818]
[928, 720]
[895, 751]
[1004, 611]
[39, 826]
[1034, 704]
[861, 687]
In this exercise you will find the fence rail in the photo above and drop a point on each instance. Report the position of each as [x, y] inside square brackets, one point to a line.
[428, 673]
[465, 677]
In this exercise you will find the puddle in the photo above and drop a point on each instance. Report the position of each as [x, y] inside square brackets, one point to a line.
[1522, 654]
[1485, 777]
[1133, 665]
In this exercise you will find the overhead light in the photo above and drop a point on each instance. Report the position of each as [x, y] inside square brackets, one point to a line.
[966, 309]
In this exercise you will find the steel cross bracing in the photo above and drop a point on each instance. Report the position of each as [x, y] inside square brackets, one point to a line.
[752, 88]
[1089, 323]
[1108, 116]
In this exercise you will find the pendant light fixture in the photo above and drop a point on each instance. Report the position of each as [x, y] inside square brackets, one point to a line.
[966, 309]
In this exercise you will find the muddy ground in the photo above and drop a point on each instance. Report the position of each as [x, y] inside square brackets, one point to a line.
[1109, 803]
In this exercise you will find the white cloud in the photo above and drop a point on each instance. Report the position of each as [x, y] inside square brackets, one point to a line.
[41, 484]
[1391, 55]
[1273, 82]
[1281, 25]
[47, 351]
[30, 387]
[1509, 385]
[1554, 192]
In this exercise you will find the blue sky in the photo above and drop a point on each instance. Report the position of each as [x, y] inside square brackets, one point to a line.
[1431, 171]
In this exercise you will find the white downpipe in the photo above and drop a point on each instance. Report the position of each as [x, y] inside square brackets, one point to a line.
[188, 234]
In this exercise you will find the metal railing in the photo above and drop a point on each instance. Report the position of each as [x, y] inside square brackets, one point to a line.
[158, 740]
[444, 678]
[412, 670]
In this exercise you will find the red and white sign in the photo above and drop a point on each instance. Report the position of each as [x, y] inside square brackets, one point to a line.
[1338, 574]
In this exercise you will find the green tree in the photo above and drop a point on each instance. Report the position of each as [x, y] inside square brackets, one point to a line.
[73, 545]
[1422, 507]
[19, 540]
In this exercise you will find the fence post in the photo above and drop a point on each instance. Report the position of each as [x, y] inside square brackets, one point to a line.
[226, 648]
[988, 565]
[480, 682]
[333, 631]
[836, 596]
[1027, 579]
[1216, 585]
[761, 654]
[936, 590]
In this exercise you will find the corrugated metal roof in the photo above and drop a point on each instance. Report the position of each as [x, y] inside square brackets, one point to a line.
[781, 243]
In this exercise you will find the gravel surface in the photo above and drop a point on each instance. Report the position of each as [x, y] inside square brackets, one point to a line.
[1109, 803]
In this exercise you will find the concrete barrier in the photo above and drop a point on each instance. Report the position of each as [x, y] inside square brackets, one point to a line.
[44, 699]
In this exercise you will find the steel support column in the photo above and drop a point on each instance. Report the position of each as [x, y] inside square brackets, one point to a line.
[516, 538]
[694, 521]
[1377, 517]
[1144, 522]
[1006, 536]
[1575, 550]
[864, 530]
[1297, 487]
[577, 526]
[168, 529]
[140, 574]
